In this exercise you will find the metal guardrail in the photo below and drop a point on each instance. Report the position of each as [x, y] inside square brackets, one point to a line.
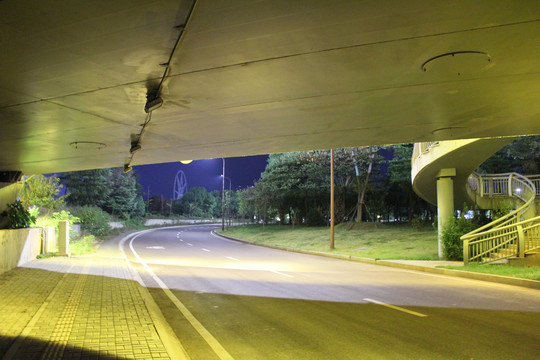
[504, 237]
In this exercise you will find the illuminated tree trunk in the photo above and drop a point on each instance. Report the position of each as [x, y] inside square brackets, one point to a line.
[362, 191]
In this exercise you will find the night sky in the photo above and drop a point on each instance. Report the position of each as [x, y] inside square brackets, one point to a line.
[158, 179]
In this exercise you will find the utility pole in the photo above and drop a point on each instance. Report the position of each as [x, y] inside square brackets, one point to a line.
[331, 198]
[223, 198]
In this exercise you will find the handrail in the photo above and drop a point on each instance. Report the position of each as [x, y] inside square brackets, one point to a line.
[422, 148]
[504, 237]
[515, 179]
[535, 179]
[504, 242]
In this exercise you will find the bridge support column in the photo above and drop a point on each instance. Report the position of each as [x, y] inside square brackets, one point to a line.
[445, 202]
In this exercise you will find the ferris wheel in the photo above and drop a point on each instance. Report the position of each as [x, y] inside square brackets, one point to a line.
[180, 185]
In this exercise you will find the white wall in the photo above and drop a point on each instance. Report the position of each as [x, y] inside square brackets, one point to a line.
[18, 247]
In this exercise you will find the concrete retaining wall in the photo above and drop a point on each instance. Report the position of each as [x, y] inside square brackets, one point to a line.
[153, 222]
[18, 247]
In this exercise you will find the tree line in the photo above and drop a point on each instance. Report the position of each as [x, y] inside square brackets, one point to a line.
[371, 184]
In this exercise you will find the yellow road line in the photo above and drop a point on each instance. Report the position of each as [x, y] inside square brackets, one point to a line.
[396, 308]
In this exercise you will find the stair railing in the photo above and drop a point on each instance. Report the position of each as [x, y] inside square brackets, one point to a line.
[536, 181]
[503, 236]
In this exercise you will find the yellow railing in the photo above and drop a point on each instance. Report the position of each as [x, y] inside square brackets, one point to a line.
[536, 181]
[502, 242]
[504, 237]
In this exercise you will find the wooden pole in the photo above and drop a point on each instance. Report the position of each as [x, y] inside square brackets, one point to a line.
[223, 197]
[331, 198]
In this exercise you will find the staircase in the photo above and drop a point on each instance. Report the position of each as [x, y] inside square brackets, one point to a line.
[513, 235]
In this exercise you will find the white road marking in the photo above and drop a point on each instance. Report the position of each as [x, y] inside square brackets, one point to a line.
[182, 240]
[233, 259]
[280, 273]
[203, 249]
[155, 247]
[395, 307]
[206, 335]
[190, 244]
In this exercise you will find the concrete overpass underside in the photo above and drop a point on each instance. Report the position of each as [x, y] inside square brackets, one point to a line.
[243, 78]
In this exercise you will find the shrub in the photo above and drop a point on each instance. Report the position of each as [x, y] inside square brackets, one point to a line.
[82, 246]
[504, 209]
[94, 220]
[315, 218]
[417, 223]
[452, 231]
[48, 219]
[17, 217]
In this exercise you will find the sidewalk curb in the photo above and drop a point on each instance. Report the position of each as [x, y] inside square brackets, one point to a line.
[531, 284]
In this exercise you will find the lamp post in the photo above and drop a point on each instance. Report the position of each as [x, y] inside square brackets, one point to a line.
[228, 204]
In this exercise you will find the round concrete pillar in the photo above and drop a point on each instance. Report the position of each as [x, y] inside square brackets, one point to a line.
[445, 202]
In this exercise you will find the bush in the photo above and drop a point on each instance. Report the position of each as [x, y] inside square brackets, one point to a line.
[17, 217]
[94, 220]
[82, 246]
[315, 218]
[47, 219]
[417, 223]
[452, 231]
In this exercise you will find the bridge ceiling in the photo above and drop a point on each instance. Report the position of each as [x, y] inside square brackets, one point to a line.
[254, 77]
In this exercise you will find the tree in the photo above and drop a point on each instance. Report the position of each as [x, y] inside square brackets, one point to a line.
[246, 203]
[88, 187]
[521, 155]
[298, 184]
[125, 199]
[112, 190]
[197, 202]
[42, 191]
[401, 197]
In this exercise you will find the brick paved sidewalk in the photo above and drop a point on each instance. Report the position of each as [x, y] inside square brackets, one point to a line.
[87, 307]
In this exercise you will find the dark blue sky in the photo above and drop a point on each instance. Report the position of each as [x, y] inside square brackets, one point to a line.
[159, 178]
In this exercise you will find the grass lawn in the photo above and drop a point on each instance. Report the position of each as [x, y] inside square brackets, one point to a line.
[532, 273]
[386, 241]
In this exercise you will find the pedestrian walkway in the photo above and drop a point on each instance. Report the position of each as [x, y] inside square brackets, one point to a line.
[94, 307]
[87, 307]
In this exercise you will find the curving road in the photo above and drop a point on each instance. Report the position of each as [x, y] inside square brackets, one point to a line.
[230, 300]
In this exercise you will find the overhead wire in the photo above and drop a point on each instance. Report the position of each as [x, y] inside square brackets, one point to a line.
[151, 96]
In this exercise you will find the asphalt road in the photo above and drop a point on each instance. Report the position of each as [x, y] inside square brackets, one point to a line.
[229, 300]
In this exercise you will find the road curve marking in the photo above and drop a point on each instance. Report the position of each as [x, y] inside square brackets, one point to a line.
[395, 307]
[205, 334]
